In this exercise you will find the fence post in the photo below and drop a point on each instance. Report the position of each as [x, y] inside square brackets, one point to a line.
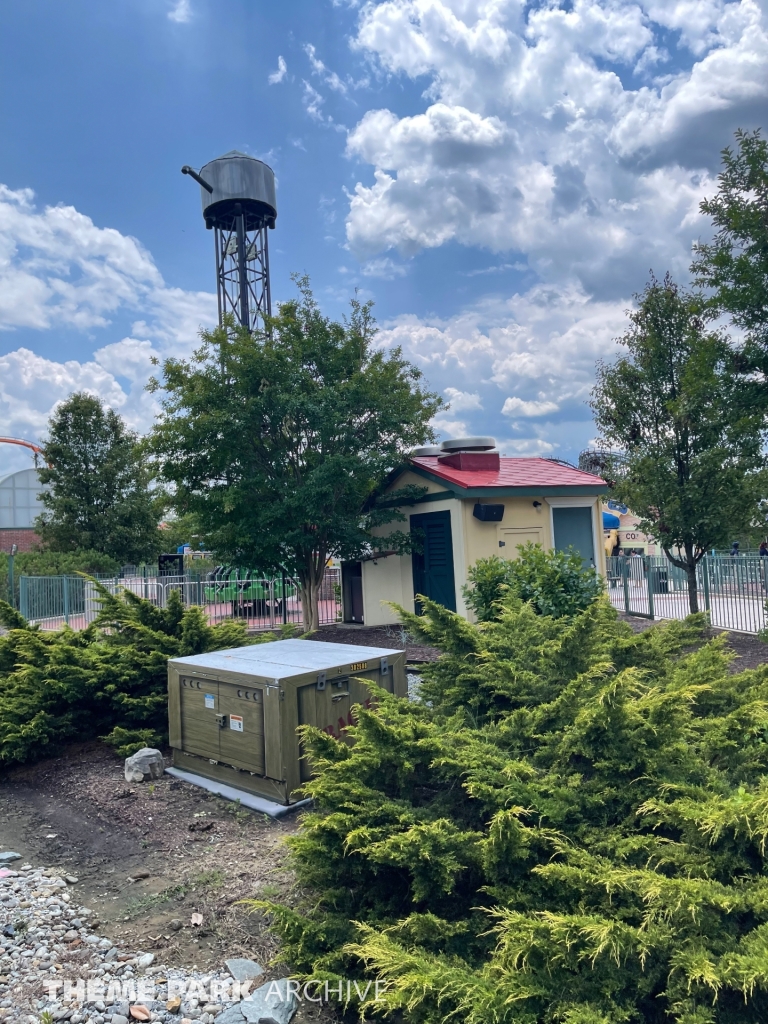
[65, 589]
[625, 581]
[705, 581]
[23, 597]
[649, 581]
[285, 598]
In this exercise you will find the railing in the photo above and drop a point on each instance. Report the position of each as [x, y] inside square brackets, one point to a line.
[732, 590]
[263, 603]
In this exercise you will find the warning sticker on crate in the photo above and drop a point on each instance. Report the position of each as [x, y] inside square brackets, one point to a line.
[210, 700]
[236, 722]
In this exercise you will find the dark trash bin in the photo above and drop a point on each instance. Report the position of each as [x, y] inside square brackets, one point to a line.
[659, 580]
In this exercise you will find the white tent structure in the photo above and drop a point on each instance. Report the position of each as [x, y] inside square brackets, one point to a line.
[19, 501]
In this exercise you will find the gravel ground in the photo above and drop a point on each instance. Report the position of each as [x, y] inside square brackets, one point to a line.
[49, 946]
[145, 859]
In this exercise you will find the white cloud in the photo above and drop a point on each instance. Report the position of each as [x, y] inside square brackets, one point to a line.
[462, 400]
[279, 75]
[576, 141]
[330, 78]
[181, 12]
[59, 270]
[384, 268]
[520, 407]
[529, 141]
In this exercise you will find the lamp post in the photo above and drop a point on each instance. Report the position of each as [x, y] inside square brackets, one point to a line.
[11, 582]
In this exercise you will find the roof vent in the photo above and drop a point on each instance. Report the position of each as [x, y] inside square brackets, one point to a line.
[468, 444]
[471, 454]
[429, 450]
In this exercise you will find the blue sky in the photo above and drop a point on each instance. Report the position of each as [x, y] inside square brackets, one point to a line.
[499, 176]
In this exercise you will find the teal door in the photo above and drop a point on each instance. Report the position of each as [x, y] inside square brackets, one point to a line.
[433, 565]
[573, 528]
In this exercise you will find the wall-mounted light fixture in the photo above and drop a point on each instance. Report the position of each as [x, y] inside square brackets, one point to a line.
[537, 505]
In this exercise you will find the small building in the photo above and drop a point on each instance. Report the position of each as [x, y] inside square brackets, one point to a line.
[20, 505]
[476, 504]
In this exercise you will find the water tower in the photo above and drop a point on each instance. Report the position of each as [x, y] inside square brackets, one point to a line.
[239, 205]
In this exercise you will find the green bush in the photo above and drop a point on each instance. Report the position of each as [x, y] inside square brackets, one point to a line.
[109, 680]
[569, 826]
[553, 582]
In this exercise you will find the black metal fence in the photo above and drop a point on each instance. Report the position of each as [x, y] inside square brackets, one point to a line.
[731, 589]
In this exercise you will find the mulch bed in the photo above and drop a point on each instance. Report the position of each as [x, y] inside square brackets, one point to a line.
[394, 637]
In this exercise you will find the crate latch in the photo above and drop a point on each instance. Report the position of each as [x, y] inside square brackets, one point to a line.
[384, 666]
[321, 680]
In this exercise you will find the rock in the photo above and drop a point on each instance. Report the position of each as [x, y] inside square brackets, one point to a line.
[176, 925]
[138, 875]
[172, 1006]
[118, 1018]
[139, 1012]
[145, 960]
[196, 920]
[243, 969]
[71, 879]
[272, 1001]
[232, 1015]
[8, 856]
[144, 765]
[110, 955]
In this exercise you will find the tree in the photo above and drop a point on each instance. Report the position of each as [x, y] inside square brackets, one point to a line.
[99, 497]
[692, 437]
[278, 443]
[735, 264]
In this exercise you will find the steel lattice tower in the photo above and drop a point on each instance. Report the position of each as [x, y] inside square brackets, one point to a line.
[239, 205]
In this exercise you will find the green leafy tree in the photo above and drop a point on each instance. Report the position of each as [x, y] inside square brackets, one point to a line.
[278, 443]
[553, 582]
[567, 828]
[98, 495]
[734, 265]
[692, 436]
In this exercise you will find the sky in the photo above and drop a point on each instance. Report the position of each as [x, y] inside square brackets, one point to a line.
[499, 176]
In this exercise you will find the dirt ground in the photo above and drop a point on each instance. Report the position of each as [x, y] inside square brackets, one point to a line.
[148, 856]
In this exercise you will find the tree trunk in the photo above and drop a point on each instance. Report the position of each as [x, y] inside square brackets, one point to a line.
[309, 592]
[693, 593]
[310, 581]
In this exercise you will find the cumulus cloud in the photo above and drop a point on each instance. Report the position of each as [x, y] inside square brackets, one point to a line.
[521, 407]
[575, 140]
[536, 139]
[279, 75]
[58, 269]
[462, 400]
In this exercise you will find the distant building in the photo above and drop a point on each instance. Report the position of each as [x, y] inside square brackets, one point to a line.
[620, 531]
[19, 507]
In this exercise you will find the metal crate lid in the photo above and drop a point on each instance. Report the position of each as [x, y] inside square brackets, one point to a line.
[281, 659]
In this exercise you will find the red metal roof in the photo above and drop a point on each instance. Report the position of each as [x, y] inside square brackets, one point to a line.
[525, 472]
